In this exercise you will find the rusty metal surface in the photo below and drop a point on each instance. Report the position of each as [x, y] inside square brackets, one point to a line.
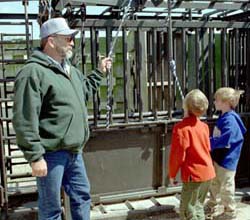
[130, 156]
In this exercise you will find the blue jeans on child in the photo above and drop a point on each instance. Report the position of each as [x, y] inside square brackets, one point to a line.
[67, 170]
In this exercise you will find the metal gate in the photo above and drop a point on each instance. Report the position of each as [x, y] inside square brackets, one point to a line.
[209, 41]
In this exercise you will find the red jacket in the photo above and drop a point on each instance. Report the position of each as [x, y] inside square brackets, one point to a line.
[190, 151]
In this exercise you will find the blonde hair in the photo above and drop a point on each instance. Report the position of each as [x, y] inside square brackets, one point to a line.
[195, 102]
[229, 95]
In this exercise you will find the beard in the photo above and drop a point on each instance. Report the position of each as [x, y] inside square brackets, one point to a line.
[69, 54]
[65, 52]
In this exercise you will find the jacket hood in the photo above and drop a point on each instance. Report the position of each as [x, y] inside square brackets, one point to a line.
[41, 58]
[240, 123]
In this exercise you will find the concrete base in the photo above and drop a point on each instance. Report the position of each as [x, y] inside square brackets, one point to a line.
[161, 208]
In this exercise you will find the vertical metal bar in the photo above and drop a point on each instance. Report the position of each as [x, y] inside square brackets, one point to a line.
[166, 72]
[230, 58]
[158, 151]
[247, 109]
[108, 39]
[197, 57]
[3, 171]
[159, 69]
[97, 61]
[205, 72]
[94, 65]
[109, 118]
[83, 54]
[25, 3]
[241, 68]
[175, 79]
[164, 155]
[170, 58]
[245, 48]
[125, 72]
[211, 70]
[204, 56]
[154, 73]
[237, 58]
[242, 77]
[241, 64]
[83, 18]
[2, 55]
[149, 69]
[1, 195]
[162, 66]
[241, 56]
[93, 48]
[184, 60]
[224, 66]
[138, 55]
[232, 79]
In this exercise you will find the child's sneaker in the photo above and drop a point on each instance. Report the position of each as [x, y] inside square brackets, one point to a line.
[212, 212]
[209, 211]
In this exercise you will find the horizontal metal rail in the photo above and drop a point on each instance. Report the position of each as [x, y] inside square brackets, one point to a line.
[13, 35]
[9, 137]
[17, 61]
[14, 157]
[6, 99]
[2, 23]
[19, 175]
[15, 42]
[13, 191]
[183, 4]
[160, 24]
[15, 49]
[7, 80]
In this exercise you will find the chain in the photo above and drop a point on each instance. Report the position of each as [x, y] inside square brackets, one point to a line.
[126, 12]
[109, 73]
[172, 63]
[173, 71]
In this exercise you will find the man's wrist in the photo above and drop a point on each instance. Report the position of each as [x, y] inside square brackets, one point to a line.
[36, 160]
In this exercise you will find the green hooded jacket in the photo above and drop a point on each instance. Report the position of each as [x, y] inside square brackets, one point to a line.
[50, 110]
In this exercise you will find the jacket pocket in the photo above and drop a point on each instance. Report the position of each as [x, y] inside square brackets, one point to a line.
[68, 127]
[75, 134]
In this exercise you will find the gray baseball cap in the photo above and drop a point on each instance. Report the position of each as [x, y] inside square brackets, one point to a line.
[56, 26]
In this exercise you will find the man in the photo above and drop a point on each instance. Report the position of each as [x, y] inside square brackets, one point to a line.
[50, 120]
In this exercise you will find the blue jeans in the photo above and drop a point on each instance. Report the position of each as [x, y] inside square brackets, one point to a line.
[67, 170]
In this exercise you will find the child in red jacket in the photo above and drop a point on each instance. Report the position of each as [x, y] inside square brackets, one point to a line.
[190, 152]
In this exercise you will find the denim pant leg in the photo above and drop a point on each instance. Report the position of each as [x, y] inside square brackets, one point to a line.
[76, 185]
[49, 187]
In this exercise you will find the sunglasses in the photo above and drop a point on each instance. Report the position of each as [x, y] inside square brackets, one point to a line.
[68, 39]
